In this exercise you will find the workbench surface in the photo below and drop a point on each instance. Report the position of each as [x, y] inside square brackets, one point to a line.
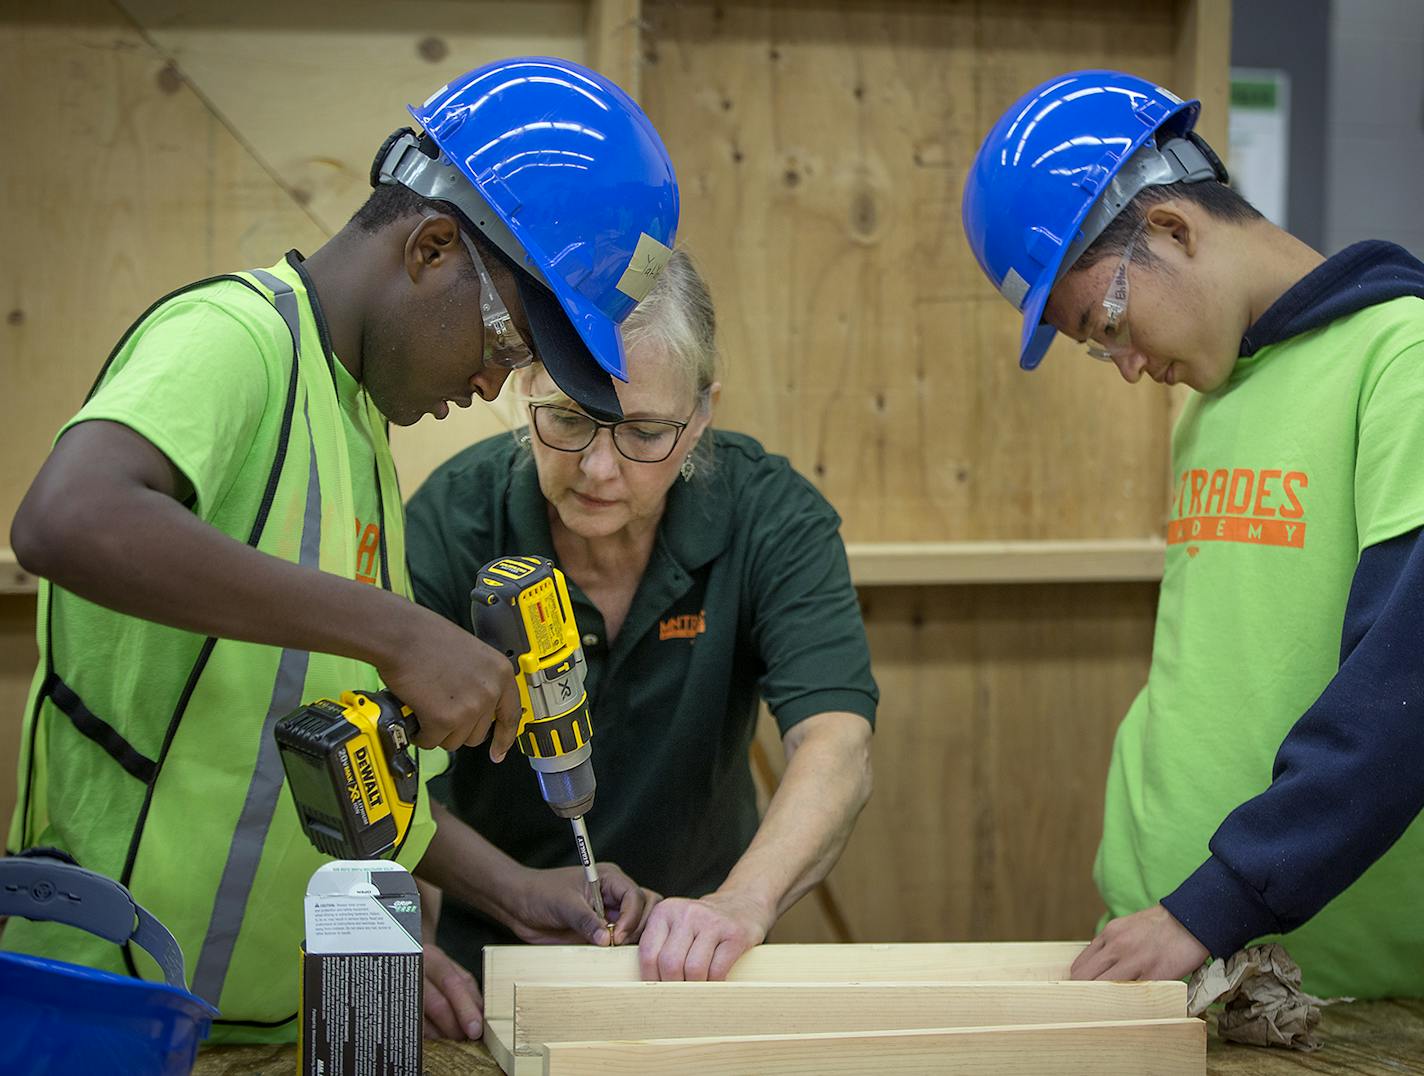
[1363, 1039]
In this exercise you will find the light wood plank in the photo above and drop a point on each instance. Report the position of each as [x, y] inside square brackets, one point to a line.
[1044, 561]
[928, 962]
[615, 39]
[1119, 1048]
[918, 563]
[499, 1041]
[1203, 71]
[555, 1012]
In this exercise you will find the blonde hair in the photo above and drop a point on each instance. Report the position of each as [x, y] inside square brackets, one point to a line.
[678, 317]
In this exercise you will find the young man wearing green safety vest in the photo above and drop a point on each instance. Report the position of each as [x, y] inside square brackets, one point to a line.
[1268, 778]
[221, 539]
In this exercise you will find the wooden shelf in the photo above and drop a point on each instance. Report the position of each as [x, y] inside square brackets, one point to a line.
[1044, 561]
[880, 564]
[13, 578]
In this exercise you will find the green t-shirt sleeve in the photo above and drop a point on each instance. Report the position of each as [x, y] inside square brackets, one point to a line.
[806, 623]
[1389, 478]
[194, 384]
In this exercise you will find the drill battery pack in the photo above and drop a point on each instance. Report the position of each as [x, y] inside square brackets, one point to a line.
[353, 780]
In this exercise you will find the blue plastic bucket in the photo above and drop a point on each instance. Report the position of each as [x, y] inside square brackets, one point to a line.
[57, 1017]
[61, 1018]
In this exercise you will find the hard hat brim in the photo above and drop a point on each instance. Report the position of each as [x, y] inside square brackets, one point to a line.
[1037, 335]
[562, 328]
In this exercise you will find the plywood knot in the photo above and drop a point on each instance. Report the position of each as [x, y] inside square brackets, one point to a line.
[433, 49]
[169, 78]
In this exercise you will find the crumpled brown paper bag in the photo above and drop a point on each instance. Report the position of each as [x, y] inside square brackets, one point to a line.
[1265, 1005]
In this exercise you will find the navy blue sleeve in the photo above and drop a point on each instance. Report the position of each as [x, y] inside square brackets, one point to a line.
[1347, 780]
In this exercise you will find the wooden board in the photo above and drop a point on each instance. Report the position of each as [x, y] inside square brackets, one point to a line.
[555, 1012]
[1041, 561]
[615, 41]
[506, 965]
[1126, 1048]
[499, 1040]
[1366, 1038]
[1380, 1038]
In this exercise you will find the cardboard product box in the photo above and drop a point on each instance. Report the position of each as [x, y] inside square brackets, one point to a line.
[361, 971]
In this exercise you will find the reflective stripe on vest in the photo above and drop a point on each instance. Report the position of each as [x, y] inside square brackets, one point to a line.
[245, 852]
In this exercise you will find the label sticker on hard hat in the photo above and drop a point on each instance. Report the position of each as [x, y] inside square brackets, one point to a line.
[1014, 288]
[649, 257]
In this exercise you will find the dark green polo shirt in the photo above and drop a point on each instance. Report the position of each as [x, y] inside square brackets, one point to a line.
[746, 596]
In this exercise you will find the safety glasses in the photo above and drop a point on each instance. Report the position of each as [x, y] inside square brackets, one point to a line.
[1115, 340]
[504, 347]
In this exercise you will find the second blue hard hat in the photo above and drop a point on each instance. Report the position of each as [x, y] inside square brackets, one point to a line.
[1055, 170]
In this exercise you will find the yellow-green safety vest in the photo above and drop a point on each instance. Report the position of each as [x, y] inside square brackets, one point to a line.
[190, 809]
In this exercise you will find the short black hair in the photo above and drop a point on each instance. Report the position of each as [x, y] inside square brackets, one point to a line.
[391, 202]
[1217, 198]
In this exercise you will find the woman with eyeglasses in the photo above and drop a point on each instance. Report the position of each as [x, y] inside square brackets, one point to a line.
[706, 576]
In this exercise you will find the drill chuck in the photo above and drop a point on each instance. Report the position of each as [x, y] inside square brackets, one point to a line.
[567, 782]
[521, 606]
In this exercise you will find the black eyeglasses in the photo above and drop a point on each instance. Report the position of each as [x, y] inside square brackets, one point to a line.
[642, 440]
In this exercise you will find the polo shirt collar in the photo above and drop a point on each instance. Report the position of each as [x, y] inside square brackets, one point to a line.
[696, 526]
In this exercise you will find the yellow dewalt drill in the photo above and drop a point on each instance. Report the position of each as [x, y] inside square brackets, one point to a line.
[520, 606]
[347, 761]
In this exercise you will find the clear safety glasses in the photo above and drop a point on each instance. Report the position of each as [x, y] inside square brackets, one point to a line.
[1115, 340]
[504, 347]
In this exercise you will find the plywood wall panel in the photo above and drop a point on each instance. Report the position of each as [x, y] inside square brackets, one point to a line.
[822, 148]
[120, 185]
[313, 89]
[153, 144]
[998, 708]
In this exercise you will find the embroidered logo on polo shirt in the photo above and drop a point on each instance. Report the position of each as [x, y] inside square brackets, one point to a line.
[687, 626]
[1256, 507]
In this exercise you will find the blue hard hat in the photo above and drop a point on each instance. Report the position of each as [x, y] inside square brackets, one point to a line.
[1058, 167]
[565, 175]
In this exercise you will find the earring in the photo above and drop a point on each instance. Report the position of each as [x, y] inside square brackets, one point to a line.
[523, 439]
[688, 468]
